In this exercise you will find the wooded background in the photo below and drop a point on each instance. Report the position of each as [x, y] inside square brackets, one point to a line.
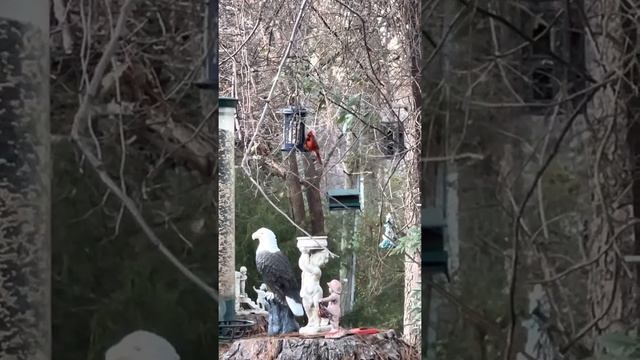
[151, 130]
[532, 105]
[546, 92]
[353, 66]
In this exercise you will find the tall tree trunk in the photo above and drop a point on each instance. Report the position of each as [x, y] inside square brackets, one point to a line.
[631, 44]
[25, 174]
[412, 262]
[412, 266]
[314, 200]
[294, 188]
[350, 226]
[613, 292]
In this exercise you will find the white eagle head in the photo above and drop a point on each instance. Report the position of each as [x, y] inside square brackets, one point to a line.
[266, 240]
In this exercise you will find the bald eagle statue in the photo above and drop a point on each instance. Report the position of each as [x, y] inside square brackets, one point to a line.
[278, 274]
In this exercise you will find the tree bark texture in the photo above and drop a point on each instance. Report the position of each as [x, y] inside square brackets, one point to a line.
[347, 256]
[412, 262]
[25, 174]
[382, 346]
[294, 188]
[613, 291]
[350, 226]
[314, 199]
[413, 276]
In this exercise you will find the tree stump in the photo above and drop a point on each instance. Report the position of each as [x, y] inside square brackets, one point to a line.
[382, 346]
[260, 328]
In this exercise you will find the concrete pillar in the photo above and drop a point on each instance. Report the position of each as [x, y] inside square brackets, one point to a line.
[25, 181]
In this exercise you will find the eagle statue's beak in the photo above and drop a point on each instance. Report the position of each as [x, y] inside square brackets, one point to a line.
[254, 236]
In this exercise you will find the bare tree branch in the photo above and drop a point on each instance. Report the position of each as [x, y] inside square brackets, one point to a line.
[97, 164]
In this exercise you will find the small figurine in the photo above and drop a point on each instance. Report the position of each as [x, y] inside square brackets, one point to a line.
[243, 280]
[389, 237]
[330, 305]
[262, 296]
[242, 297]
[311, 291]
[239, 296]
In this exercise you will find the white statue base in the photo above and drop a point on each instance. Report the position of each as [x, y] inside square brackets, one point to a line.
[253, 307]
[313, 256]
[314, 330]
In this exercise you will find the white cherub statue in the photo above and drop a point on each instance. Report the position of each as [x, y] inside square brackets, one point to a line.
[262, 296]
[311, 292]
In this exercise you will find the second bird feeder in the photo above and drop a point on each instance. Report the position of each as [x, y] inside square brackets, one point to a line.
[346, 199]
[434, 226]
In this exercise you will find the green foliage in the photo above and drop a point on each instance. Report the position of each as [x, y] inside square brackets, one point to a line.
[410, 242]
[619, 346]
[384, 310]
[253, 211]
[378, 303]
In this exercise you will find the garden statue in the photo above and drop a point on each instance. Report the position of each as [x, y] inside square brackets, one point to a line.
[276, 271]
[243, 280]
[241, 295]
[262, 294]
[311, 259]
[389, 237]
[330, 305]
[238, 275]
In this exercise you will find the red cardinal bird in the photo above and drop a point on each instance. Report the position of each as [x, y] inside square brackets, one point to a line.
[310, 144]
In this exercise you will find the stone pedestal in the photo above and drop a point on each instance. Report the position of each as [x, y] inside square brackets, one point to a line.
[313, 256]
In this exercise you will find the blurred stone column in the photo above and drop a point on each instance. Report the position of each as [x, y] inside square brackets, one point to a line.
[25, 181]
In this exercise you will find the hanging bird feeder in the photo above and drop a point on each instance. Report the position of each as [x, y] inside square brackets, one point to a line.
[390, 132]
[293, 128]
[210, 79]
[346, 199]
[434, 227]
[392, 142]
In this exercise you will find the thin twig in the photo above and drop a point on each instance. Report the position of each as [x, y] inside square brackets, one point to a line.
[98, 166]
[245, 158]
[584, 264]
[516, 224]
[593, 322]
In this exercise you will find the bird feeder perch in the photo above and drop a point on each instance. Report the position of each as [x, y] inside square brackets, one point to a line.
[346, 199]
[434, 227]
[293, 128]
